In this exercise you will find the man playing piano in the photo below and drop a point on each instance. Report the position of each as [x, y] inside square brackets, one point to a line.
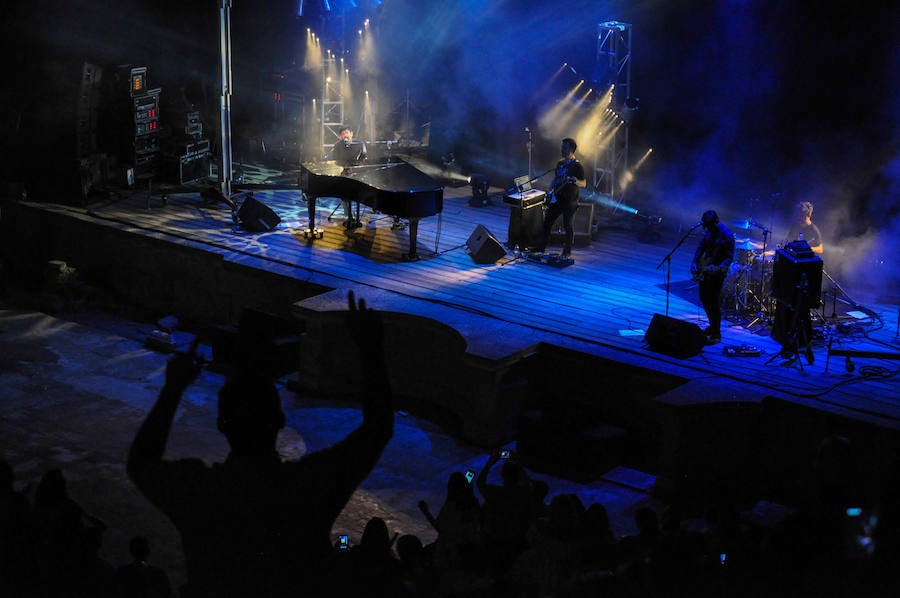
[348, 154]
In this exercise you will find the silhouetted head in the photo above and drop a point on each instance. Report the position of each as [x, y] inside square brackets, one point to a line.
[250, 413]
[710, 220]
[565, 515]
[7, 477]
[513, 474]
[597, 516]
[647, 521]
[375, 537]
[568, 146]
[540, 489]
[409, 548]
[139, 547]
[51, 490]
[456, 485]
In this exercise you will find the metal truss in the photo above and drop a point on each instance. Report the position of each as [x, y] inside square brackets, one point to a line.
[614, 61]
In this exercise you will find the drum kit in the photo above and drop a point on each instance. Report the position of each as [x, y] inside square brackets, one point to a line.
[746, 293]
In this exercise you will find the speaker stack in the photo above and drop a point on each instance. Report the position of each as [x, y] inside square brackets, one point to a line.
[797, 288]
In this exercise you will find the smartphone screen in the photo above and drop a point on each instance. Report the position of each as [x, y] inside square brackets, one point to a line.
[859, 532]
[344, 542]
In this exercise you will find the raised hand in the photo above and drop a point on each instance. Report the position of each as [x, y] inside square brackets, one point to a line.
[183, 368]
[366, 326]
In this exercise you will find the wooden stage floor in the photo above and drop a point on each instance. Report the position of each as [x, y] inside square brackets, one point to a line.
[602, 304]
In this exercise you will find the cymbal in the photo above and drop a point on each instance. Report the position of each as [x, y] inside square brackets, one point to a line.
[744, 224]
[748, 245]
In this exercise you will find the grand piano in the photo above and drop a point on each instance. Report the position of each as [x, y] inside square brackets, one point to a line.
[390, 186]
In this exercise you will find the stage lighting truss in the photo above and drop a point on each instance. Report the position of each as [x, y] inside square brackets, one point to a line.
[614, 58]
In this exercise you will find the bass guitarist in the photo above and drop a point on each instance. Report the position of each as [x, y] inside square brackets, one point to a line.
[712, 259]
[562, 198]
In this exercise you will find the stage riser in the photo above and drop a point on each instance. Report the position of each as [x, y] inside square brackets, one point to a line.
[160, 275]
[429, 367]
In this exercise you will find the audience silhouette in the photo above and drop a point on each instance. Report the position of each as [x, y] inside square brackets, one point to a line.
[67, 538]
[369, 568]
[254, 525]
[18, 550]
[506, 513]
[140, 579]
[458, 549]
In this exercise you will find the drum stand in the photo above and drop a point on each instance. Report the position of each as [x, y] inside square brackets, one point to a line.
[764, 301]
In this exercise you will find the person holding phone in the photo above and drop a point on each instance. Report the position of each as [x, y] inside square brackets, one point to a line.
[256, 525]
[507, 510]
[457, 549]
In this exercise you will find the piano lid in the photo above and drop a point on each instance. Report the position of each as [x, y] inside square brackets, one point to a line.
[393, 175]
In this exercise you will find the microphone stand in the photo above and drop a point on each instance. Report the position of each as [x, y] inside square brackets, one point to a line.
[835, 289]
[764, 301]
[529, 146]
[668, 261]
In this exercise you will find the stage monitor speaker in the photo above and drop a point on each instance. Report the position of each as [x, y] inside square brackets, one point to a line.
[674, 337]
[483, 247]
[256, 217]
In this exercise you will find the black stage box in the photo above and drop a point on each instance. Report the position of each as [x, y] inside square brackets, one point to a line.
[526, 221]
[797, 278]
[185, 169]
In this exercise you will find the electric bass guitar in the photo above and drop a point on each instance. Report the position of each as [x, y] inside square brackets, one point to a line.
[704, 267]
[562, 177]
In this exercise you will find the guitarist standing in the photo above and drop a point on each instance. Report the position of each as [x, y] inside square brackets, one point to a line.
[712, 260]
[563, 196]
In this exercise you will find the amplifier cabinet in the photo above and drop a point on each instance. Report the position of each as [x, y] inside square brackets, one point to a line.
[797, 281]
[584, 224]
[186, 169]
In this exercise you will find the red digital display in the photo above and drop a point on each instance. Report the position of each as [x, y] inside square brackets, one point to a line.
[151, 126]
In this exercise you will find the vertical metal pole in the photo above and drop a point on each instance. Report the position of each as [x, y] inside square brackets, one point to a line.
[225, 107]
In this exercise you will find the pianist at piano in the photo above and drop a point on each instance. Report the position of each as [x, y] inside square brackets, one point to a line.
[347, 153]
[389, 186]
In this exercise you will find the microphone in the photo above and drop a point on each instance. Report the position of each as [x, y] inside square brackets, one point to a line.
[696, 225]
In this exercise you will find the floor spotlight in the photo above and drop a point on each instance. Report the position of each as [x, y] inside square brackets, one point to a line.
[479, 184]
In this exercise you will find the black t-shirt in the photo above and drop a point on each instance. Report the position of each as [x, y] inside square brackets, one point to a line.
[348, 154]
[811, 234]
[565, 168]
